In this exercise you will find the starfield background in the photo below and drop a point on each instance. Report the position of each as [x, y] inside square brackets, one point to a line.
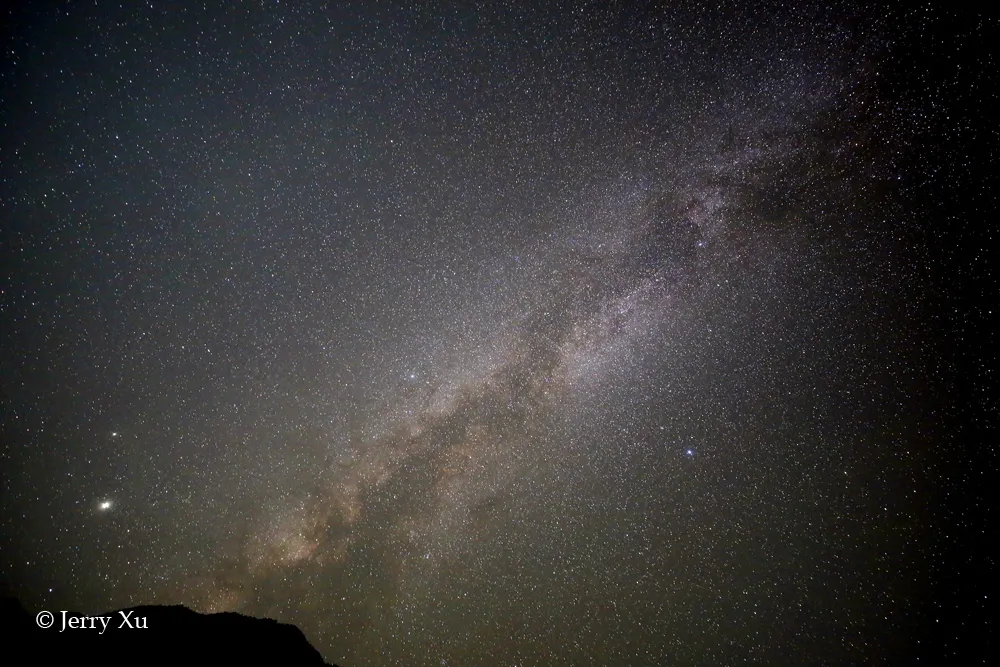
[504, 333]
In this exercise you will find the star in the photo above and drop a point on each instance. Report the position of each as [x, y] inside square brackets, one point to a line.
[410, 326]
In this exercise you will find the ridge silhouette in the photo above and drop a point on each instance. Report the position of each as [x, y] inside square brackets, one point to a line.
[173, 635]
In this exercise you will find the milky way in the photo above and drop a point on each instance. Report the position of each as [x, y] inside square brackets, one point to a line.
[480, 336]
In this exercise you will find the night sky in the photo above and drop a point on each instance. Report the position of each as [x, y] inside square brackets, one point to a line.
[482, 334]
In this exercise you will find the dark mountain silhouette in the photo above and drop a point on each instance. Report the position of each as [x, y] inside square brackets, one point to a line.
[150, 635]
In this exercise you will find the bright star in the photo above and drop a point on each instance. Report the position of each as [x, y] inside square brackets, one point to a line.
[104, 505]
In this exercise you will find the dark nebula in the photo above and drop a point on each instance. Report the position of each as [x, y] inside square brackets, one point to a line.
[521, 334]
